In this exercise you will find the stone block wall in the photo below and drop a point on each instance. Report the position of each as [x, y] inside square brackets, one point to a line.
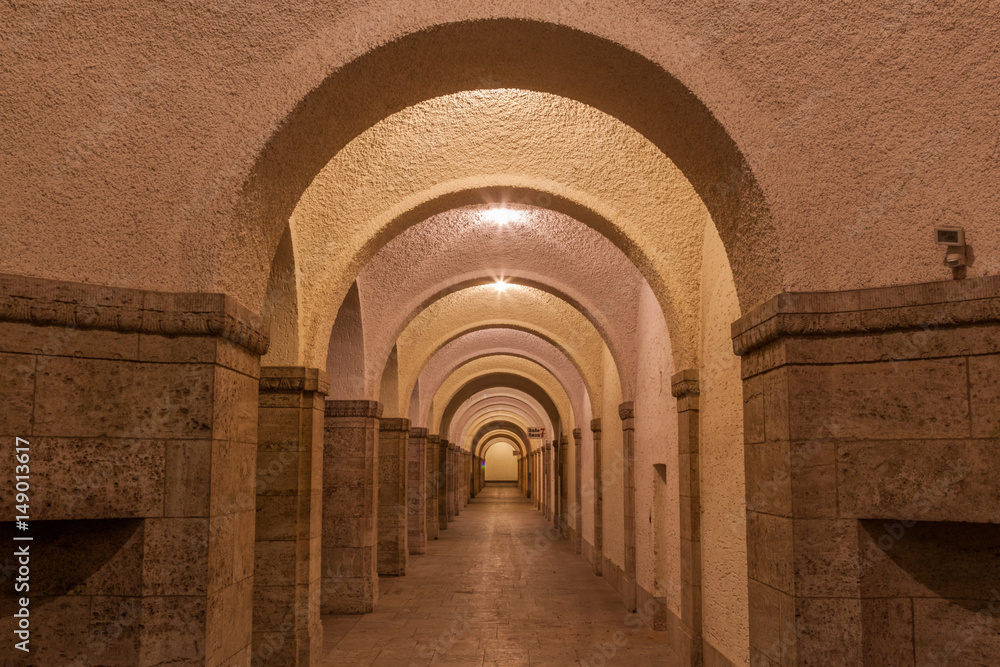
[350, 507]
[141, 413]
[871, 466]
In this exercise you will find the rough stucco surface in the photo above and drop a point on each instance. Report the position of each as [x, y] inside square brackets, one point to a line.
[612, 466]
[483, 307]
[345, 362]
[544, 248]
[723, 514]
[484, 342]
[282, 308]
[656, 442]
[500, 364]
[489, 138]
[389, 395]
[124, 157]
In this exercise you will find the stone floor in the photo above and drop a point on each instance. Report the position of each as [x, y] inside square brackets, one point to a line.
[494, 590]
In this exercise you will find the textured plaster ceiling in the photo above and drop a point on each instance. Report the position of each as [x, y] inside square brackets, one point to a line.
[483, 307]
[499, 364]
[543, 248]
[482, 342]
[469, 141]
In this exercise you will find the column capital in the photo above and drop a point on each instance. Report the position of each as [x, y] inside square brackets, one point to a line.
[685, 383]
[418, 432]
[287, 379]
[433, 438]
[353, 409]
[627, 413]
[394, 424]
[595, 425]
[577, 434]
[686, 388]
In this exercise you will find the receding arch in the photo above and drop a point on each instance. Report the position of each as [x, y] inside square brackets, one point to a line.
[522, 308]
[499, 425]
[510, 342]
[461, 248]
[490, 380]
[527, 55]
[497, 403]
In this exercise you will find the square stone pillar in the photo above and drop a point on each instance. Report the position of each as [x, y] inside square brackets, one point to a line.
[393, 552]
[871, 436]
[286, 593]
[434, 481]
[529, 478]
[595, 428]
[350, 507]
[140, 412]
[626, 411]
[685, 632]
[417, 490]
[456, 480]
[578, 491]
[565, 513]
[444, 496]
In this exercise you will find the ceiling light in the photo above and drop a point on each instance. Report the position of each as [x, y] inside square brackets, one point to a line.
[501, 285]
[501, 216]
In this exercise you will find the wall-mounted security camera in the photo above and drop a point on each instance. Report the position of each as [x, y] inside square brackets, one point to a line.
[954, 238]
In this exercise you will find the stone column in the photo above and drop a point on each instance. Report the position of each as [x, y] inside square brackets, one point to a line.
[578, 491]
[470, 471]
[432, 478]
[685, 635]
[547, 480]
[444, 499]
[565, 513]
[595, 427]
[627, 413]
[417, 488]
[871, 428]
[143, 447]
[456, 480]
[529, 479]
[350, 507]
[393, 551]
[286, 592]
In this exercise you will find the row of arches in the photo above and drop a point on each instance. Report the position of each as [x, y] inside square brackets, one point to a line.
[444, 227]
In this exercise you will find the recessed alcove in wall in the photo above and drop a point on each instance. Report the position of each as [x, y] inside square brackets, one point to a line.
[930, 592]
[84, 586]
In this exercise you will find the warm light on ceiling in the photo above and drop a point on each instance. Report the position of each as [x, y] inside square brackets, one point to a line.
[501, 285]
[501, 216]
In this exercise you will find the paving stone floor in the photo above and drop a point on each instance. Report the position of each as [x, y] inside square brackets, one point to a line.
[494, 590]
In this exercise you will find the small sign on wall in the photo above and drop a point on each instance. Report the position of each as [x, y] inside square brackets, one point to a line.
[534, 432]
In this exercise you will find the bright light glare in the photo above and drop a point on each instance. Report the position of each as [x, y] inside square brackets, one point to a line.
[501, 216]
[501, 285]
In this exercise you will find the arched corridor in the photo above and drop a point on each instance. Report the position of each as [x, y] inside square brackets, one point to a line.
[326, 325]
[484, 595]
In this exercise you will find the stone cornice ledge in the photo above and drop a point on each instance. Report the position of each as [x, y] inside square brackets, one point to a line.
[337, 408]
[919, 306]
[293, 378]
[58, 303]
